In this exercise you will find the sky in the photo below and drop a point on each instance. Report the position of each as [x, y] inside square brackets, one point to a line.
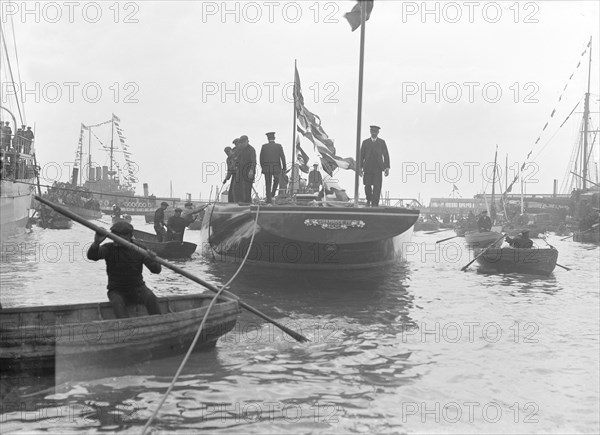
[447, 82]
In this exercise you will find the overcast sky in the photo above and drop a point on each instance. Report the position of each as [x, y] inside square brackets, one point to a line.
[187, 77]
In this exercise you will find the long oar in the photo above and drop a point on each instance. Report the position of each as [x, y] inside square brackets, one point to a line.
[437, 231]
[481, 253]
[449, 238]
[168, 265]
[583, 232]
[559, 265]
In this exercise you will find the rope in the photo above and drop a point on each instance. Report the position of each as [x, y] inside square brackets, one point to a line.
[197, 336]
[18, 67]
[12, 79]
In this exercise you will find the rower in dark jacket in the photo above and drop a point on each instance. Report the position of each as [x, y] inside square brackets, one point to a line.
[124, 268]
[520, 242]
[374, 159]
[484, 223]
[272, 160]
[176, 226]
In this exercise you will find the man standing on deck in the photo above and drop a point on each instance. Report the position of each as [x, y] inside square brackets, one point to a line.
[245, 170]
[124, 268]
[231, 162]
[159, 222]
[315, 179]
[374, 159]
[272, 160]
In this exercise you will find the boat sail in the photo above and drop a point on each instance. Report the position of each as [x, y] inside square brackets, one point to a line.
[17, 146]
[306, 233]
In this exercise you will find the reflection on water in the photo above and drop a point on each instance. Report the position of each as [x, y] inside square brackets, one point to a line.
[417, 347]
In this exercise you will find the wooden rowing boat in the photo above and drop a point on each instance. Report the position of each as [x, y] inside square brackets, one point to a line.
[481, 239]
[42, 338]
[533, 261]
[172, 249]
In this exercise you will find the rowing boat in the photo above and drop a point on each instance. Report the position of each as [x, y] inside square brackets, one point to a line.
[533, 261]
[172, 249]
[44, 338]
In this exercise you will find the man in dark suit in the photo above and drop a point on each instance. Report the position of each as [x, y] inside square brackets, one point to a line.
[245, 170]
[374, 159]
[272, 160]
[231, 163]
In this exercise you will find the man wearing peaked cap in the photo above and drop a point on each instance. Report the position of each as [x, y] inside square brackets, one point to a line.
[374, 159]
[159, 222]
[176, 226]
[272, 162]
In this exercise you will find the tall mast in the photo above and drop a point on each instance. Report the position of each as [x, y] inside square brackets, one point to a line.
[112, 133]
[294, 172]
[586, 114]
[89, 154]
[363, 25]
[493, 206]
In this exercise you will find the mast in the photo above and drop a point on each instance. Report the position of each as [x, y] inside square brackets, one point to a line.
[586, 114]
[493, 206]
[112, 134]
[294, 171]
[363, 25]
[89, 155]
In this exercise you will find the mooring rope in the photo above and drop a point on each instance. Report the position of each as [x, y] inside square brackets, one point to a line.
[197, 336]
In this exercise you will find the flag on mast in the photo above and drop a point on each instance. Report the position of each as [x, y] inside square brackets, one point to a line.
[354, 17]
[309, 125]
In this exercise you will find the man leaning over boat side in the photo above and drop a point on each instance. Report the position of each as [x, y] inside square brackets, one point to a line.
[124, 268]
[374, 159]
[522, 241]
[159, 222]
[231, 162]
[245, 170]
[272, 162]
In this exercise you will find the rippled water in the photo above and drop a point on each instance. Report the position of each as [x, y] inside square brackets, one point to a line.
[418, 347]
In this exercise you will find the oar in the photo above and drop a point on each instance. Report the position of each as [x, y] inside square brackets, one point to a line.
[449, 238]
[168, 265]
[481, 253]
[437, 231]
[559, 265]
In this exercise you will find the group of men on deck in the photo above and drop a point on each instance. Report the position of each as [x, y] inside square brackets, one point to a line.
[241, 168]
[22, 140]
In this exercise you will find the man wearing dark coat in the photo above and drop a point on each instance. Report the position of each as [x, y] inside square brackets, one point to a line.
[176, 226]
[231, 163]
[159, 222]
[272, 160]
[374, 159]
[245, 171]
[484, 223]
[520, 242]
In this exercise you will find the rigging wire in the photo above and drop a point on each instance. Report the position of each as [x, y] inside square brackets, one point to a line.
[12, 79]
[18, 68]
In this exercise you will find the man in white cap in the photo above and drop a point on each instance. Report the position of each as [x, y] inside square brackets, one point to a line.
[374, 159]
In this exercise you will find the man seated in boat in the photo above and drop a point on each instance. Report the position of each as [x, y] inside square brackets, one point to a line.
[124, 268]
[116, 211]
[522, 241]
[484, 223]
[176, 226]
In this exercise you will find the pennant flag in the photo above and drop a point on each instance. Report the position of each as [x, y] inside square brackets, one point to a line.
[328, 164]
[454, 188]
[302, 157]
[529, 154]
[309, 125]
[116, 118]
[354, 16]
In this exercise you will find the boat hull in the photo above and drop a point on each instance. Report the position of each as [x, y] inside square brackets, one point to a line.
[15, 203]
[534, 261]
[305, 237]
[483, 239]
[587, 236]
[172, 250]
[42, 338]
[85, 213]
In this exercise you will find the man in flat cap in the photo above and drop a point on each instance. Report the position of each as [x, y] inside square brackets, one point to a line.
[374, 159]
[245, 171]
[522, 241]
[159, 222]
[124, 268]
[484, 223]
[272, 162]
[176, 226]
